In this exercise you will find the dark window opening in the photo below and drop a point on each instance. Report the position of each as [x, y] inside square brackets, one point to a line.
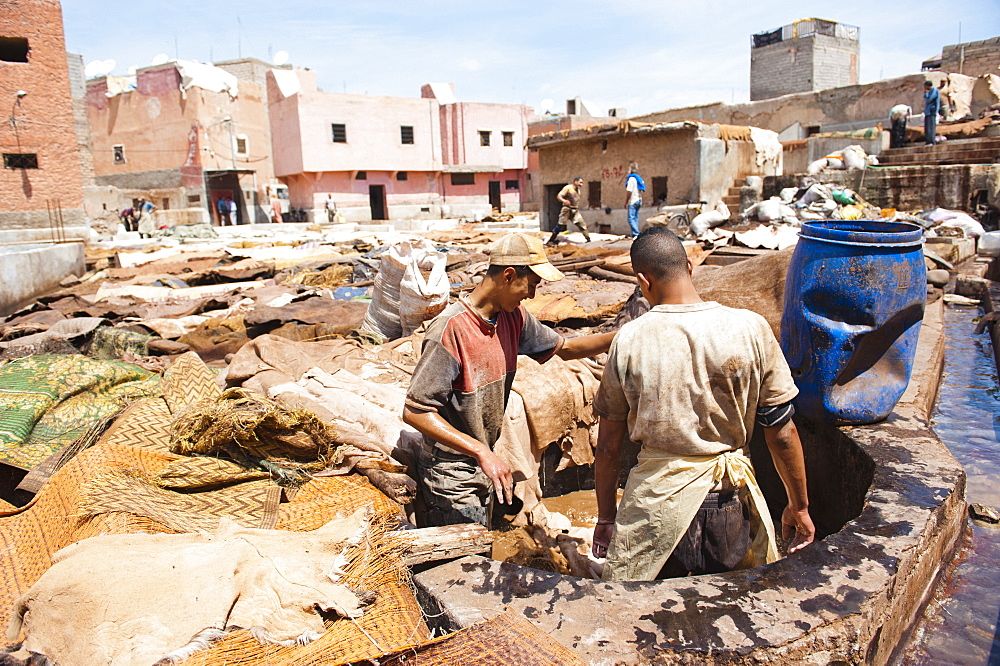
[20, 161]
[512, 185]
[339, 132]
[406, 133]
[659, 184]
[508, 138]
[402, 175]
[604, 145]
[361, 175]
[594, 194]
[463, 179]
[241, 145]
[571, 107]
[194, 198]
[14, 49]
[484, 137]
[119, 154]
[812, 129]
[166, 204]
[425, 210]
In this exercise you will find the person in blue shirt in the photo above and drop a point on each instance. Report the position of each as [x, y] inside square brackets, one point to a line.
[932, 106]
[634, 187]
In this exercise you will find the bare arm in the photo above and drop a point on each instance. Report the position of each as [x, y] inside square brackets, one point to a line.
[584, 346]
[607, 468]
[434, 426]
[786, 452]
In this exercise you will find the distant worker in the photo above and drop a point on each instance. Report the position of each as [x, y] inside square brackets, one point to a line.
[222, 208]
[945, 98]
[686, 381]
[634, 187]
[276, 209]
[569, 197]
[459, 390]
[932, 106]
[898, 115]
[233, 211]
[146, 226]
[127, 217]
[331, 209]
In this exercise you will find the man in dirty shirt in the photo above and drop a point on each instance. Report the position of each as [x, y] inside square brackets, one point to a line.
[460, 386]
[686, 381]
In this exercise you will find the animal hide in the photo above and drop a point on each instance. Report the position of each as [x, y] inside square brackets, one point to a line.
[136, 599]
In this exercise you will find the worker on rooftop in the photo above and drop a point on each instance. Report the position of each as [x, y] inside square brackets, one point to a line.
[459, 390]
[686, 381]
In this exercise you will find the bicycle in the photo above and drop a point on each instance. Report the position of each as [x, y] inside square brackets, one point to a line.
[680, 215]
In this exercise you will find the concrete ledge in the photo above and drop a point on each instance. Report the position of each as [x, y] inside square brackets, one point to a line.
[27, 271]
[850, 598]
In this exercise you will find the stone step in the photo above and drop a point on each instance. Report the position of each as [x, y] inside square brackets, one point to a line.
[987, 156]
[981, 143]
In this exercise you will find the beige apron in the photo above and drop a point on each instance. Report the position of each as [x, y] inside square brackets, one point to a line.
[660, 500]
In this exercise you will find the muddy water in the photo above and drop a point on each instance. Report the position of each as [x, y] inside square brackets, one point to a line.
[960, 624]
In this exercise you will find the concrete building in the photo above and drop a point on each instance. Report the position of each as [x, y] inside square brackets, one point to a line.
[810, 54]
[693, 160]
[391, 157]
[182, 134]
[972, 58]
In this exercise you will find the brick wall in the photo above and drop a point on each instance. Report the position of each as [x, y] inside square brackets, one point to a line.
[813, 62]
[81, 125]
[980, 58]
[44, 120]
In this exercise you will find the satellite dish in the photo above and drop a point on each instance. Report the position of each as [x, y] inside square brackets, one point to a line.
[159, 59]
[280, 58]
[547, 105]
[99, 68]
[132, 69]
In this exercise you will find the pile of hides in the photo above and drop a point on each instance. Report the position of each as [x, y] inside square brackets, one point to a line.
[254, 430]
[850, 158]
[170, 595]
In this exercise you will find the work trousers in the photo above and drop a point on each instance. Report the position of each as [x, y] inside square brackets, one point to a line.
[454, 488]
[633, 218]
[717, 540]
[930, 128]
[567, 215]
[897, 133]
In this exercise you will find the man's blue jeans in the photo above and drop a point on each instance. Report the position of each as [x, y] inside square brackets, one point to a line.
[930, 128]
[633, 218]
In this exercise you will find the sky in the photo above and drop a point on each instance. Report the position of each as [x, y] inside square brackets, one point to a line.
[644, 56]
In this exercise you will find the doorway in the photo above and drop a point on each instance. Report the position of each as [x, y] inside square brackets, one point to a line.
[376, 197]
[495, 195]
[551, 207]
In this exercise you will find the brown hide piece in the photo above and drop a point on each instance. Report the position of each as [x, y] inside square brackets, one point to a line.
[131, 599]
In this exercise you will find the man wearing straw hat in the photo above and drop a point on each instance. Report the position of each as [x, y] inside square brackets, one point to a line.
[461, 384]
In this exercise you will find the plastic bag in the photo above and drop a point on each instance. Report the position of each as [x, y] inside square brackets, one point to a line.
[423, 298]
[854, 157]
[383, 316]
[702, 222]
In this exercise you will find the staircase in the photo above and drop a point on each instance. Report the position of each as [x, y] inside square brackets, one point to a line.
[732, 198]
[981, 150]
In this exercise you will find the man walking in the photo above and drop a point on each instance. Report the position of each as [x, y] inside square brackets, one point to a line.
[569, 197]
[460, 386]
[634, 187]
[932, 106]
[686, 381]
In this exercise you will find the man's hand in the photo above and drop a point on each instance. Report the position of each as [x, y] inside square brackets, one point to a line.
[602, 537]
[801, 524]
[499, 473]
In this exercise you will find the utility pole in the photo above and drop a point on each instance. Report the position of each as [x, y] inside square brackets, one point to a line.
[232, 140]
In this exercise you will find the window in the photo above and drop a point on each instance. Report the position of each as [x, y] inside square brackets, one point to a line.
[14, 49]
[604, 146]
[402, 175]
[463, 179]
[119, 154]
[166, 204]
[194, 199]
[361, 175]
[339, 132]
[241, 144]
[20, 161]
[512, 185]
[508, 138]
[406, 134]
[659, 189]
[484, 137]
[571, 107]
[594, 194]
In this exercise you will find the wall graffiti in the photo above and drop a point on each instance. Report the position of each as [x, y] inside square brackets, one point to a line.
[618, 172]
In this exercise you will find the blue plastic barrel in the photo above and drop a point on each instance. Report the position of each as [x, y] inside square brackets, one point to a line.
[854, 300]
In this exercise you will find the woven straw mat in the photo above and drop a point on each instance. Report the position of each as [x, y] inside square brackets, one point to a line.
[135, 446]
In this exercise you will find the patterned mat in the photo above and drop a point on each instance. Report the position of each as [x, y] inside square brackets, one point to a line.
[47, 402]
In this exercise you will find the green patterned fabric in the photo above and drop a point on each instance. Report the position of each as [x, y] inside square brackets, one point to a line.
[110, 343]
[47, 401]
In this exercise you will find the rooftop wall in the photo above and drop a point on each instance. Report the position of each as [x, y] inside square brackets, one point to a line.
[972, 58]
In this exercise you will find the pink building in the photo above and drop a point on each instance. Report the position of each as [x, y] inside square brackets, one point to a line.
[392, 157]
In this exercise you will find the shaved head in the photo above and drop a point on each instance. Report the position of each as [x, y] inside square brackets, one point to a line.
[659, 254]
